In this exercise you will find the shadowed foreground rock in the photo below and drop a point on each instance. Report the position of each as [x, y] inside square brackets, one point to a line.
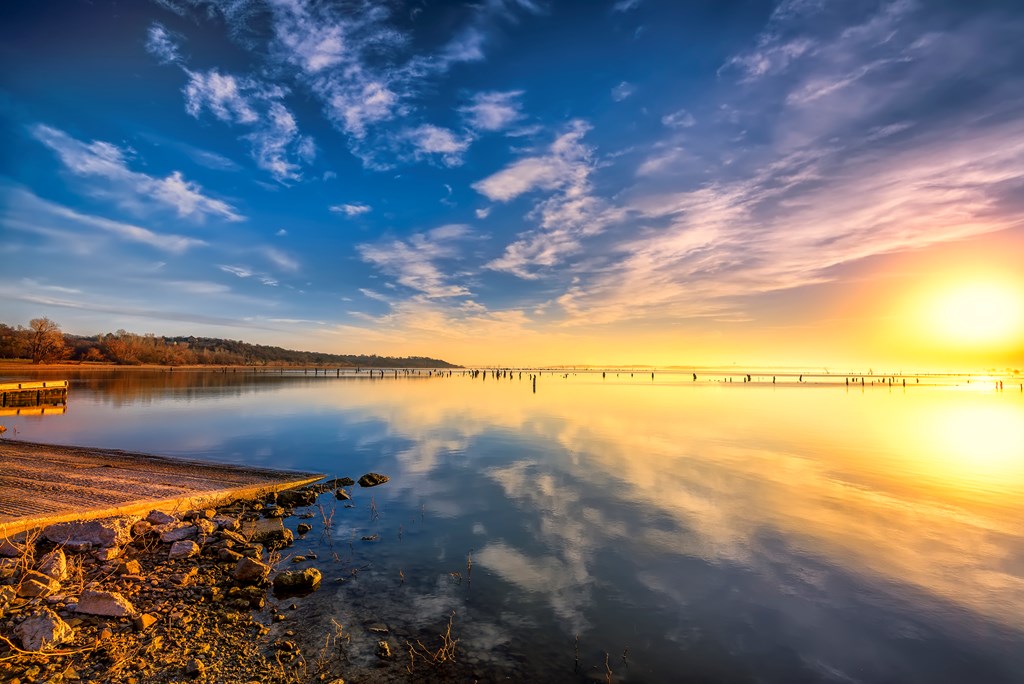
[372, 480]
[292, 582]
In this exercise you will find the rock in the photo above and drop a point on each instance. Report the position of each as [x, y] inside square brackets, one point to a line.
[303, 528]
[205, 526]
[144, 622]
[183, 578]
[183, 549]
[131, 567]
[250, 571]
[76, 546]
[142, 528]
[160, 518]
[229, 556]
[226, 522]
[109, 603]
[269, 531]
[107, 554]
[298, 559]
[9, 549]
[342, 495]
[54, 564]
[383, 650]
[297, 582]
[274, 512]
[36, 584]
[232, 536]
[42, 630]
[102, 533]
[176, 531]
[252, 551]
[346, 481]
[373, 479]
[195, 668]
[297, 497]
[307, 515]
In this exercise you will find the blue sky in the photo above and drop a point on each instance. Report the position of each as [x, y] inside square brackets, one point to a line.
[509, 180]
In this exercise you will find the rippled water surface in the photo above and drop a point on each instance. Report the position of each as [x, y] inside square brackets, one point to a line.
[665, 529]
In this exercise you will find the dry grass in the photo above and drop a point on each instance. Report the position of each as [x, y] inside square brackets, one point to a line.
[444, 653]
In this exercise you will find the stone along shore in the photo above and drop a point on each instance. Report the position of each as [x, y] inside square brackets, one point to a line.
[166, 597]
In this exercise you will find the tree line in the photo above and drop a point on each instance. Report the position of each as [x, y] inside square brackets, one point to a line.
[43, 341]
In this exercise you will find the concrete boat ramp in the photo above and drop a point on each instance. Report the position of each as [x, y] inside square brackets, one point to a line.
[42, 484]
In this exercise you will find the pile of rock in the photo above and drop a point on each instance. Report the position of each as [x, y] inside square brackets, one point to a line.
[163, 597]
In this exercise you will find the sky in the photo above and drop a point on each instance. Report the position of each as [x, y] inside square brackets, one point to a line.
[829, 183]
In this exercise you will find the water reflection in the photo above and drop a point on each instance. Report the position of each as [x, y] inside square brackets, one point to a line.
[730, 531]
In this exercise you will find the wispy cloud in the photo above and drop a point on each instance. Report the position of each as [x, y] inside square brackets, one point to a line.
[358, 63]
[278, 147]
[279, 258]
[240, 271]
[27, 211]
[350, 210]
[562, 163]
[433, 141]
[625, 5]
[623, 91]
[162, 45]
[493, 111]
[109, 163]
[679, 119]
[415, 262]
[563, 219]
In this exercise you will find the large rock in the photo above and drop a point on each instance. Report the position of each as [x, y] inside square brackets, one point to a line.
[36, 584]
[297, 497]
[42, 630]
[103, 533]
[268, 531]
[296, 582]
[373, 479]
[176, 531]
[183, 549]
[9, 549]
[226, 522]
[109, 603]
[54, 564]
[250, 571]
[160, 518]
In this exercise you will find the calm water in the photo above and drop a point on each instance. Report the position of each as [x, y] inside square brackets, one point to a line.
[708, 531]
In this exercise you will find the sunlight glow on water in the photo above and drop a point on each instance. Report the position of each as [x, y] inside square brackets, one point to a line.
[728, 530]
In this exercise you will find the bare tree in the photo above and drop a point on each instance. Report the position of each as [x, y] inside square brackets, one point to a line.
[45, 341]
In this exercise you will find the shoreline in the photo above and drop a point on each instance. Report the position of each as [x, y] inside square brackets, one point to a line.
[163, 597]
[41, 484]
[212, 593]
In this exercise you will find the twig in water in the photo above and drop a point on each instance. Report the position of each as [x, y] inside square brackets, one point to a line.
[607, 669]
[444, 654]
[576, 650]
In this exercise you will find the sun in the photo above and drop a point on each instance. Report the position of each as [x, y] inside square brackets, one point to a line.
[978, 313]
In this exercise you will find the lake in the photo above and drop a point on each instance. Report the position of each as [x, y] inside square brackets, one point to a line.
[661, 529]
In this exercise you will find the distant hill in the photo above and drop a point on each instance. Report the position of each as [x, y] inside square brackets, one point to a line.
[127, 348]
